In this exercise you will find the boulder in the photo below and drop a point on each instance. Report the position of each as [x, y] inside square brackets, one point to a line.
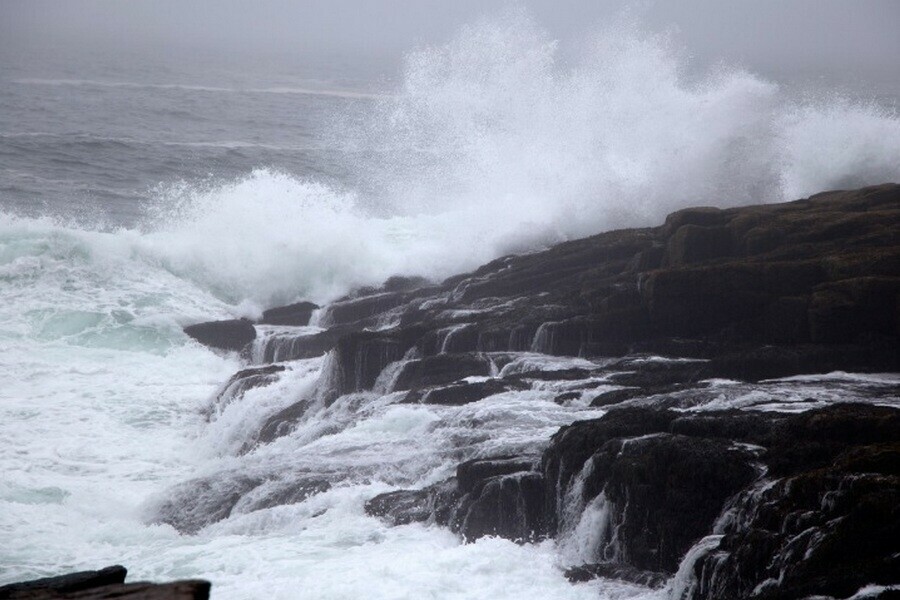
[233, 334]
[618, 571]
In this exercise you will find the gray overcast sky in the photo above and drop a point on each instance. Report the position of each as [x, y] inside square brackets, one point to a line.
[768, 35]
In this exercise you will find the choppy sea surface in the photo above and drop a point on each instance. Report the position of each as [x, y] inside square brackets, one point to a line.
[137, 196]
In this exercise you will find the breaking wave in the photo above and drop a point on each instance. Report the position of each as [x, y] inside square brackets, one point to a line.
[492, 144]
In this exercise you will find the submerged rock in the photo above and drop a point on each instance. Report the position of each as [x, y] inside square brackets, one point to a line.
[195, 504]
[433, 503]
[616, 571]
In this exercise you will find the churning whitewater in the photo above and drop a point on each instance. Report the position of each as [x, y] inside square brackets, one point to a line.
[491, 144]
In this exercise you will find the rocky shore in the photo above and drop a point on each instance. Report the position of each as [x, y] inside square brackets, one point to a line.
[715, 468]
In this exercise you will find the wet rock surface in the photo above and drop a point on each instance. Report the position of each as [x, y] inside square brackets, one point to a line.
[293, 314]
[670, 338]
[233, 334]
[105, 583]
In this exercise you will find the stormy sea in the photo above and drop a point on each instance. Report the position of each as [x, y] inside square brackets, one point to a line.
[401, 430]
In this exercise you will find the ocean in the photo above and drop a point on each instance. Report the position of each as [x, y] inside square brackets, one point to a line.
[141, 195]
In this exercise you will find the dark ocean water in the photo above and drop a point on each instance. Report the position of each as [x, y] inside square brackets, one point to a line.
[96, 139]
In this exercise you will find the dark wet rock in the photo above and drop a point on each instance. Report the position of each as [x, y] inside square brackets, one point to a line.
[474, 473]
[770, 362]
[252, 373]
[735, 425]
[366, 307]
[462, 337]
[766, 291]
[508, 505]
[605, 333]
[105, 584]
[415, 506]
[668, 476]
[188, 589]
[850, 310]
[233, 334]
[572, 446]
[402, 507]
[297, 314]
[760, 292]
[441, 369]
[652, 374]
[613, 397]
[566, 397]
[360, 357]
[823, 533]
[695, 243]
[700, 216]
[65, 584]
[573, 374]
[404, 284]
[513, 337]
[618, 571]
[284, 347]
[814, 439]
[501, 497]
[464, 393]
[665, 492]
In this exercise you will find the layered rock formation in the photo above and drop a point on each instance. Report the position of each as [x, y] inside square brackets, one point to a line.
[757, 498]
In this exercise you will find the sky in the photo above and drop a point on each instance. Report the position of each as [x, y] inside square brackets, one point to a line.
[850, 36]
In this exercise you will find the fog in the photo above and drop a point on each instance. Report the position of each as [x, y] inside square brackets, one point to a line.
[773, 37]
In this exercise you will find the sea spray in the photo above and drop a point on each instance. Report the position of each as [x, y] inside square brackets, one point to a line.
[493, 144]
